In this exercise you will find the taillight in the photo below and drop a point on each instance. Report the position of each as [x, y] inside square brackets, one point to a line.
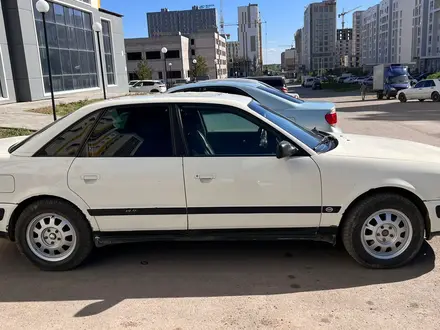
[332, 118]
[284, 89]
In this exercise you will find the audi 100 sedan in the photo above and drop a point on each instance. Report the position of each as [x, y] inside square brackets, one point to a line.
[194, 166]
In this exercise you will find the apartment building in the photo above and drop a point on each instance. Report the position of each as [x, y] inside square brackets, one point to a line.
[344, 45]
[320, 35]
[384, 38]
[174, 64]
[298, 47]
[356, 45]
[73, 49]
[167, 22]
[249, 35]
[212, 46]
[401, 31]
[369, 36]
[430, 56]
[232, 48]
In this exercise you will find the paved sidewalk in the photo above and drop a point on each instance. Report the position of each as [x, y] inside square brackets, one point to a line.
[16, 115]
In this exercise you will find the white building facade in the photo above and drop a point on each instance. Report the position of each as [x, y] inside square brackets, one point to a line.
[249, 34]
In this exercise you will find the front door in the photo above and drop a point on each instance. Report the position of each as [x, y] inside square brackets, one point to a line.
[417, 91]
[234, 180]
[128, 173]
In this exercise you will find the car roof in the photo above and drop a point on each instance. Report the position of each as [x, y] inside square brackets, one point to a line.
[267, 77]
[231, 82]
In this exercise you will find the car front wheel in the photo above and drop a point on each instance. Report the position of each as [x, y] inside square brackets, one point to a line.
[383, 231]
[402, 98]
[53, 235]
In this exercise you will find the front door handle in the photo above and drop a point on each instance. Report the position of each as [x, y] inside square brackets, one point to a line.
[205, 177]
[90, 178]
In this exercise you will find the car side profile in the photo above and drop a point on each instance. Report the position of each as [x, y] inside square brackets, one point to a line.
[423, 90]
[148, 86]
[206, 166]
[319, 115]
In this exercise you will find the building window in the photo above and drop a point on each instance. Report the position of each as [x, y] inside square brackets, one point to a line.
[153, 55]
[192, 42]
[108, 52]
[193, 52]
[173, 54]
[71, 48]
[253, 44]
[137, 56]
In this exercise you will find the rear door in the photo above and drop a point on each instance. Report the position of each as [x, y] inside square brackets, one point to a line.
[417, 91]
[428, 88]
[128, 171]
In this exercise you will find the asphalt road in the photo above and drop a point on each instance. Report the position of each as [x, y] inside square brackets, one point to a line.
[283, 285]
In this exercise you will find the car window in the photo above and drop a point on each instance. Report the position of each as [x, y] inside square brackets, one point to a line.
[131, 131]
[429, 83]
[284, 96]
[69, 142]
[211, 130]
[420, 84]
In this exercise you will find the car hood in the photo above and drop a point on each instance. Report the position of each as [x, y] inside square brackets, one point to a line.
[317, 105]
[363, 146]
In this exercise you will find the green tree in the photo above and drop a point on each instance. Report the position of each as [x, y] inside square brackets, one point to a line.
[200, 68]
[143, 71]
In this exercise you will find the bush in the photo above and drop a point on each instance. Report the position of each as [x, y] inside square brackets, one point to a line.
[434, 76]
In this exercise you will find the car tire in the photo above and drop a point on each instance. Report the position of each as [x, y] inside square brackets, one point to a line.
[388, 96]
[53, 235]
[379, 96]
[361, 232]
[435, 96]
[154, 91]
[421, 100]
[402, 97]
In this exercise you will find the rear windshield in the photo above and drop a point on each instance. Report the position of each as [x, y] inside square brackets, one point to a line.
[284, 96]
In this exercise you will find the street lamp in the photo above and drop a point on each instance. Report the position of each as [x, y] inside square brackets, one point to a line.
[164, 51]
[170, 65]
[216, 72]
[43, 8]
[194, 68]
[97, 27]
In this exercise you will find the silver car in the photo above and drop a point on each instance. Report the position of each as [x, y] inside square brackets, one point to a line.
[319, 115]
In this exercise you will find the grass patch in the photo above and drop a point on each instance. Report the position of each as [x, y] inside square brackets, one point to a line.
[341, 87]
[65, 108]
[10, 132]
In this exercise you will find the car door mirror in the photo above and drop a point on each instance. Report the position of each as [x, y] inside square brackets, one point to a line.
[286, 149]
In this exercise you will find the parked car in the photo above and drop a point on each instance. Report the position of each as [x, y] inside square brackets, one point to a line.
[350, 80]
[321, 115]
[203, 166]
[179, 82]
[317, 84]
[148, 86]
[277, 82]
[132, 82]
[425, 89]
[308, 82]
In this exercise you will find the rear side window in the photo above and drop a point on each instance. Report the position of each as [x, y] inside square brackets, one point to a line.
[69, 142]
[284, 96]
[132, 131]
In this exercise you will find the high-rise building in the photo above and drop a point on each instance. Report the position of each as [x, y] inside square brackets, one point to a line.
[344, 45]
[356, 46]
[369, 36]
[429, 11]
[232, 50]
[401, 31]
[186, 22]
[320, 35]
[298, 47]
[384, 38]
[249, 36]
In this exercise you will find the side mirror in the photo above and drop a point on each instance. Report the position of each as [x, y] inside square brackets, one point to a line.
[286, 149]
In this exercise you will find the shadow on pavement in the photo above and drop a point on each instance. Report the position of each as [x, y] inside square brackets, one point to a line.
[202, 269]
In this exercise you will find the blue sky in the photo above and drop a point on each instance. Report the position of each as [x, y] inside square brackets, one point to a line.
[283, 17]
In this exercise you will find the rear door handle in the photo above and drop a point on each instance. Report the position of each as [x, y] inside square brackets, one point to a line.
[205, 177]
[89, 178]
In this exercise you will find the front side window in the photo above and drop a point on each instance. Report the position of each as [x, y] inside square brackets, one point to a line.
[108, 52]
[131, 131]
[420, 84]
[71, 48]
[212, 130]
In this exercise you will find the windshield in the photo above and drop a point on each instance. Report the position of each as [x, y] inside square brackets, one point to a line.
[402, 79]
[306, 136]
[278, 93]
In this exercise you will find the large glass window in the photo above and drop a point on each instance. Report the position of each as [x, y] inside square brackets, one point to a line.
[132, 131]
[108, 52]
[71, 48]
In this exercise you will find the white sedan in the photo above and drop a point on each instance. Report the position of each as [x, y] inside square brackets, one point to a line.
[194, 166]
[425, 89]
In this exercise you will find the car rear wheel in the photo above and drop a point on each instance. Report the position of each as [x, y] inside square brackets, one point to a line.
[53, 235]
[435, 96]
[383, 231]
[402, 97]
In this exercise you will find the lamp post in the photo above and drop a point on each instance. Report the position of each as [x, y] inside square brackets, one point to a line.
[43, 8]
[170, 65]
[97, 27]
[194, 69]
[216, 71]
[164, 51]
